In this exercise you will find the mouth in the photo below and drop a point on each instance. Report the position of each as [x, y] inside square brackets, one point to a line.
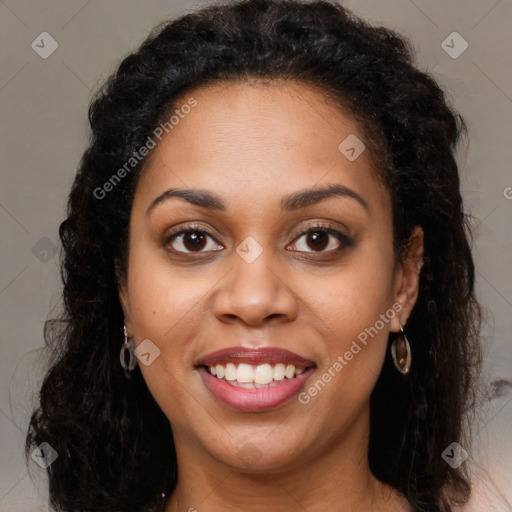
[255, 377]
[253, 380]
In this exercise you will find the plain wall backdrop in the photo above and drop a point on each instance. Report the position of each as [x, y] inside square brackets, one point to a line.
[55, 54]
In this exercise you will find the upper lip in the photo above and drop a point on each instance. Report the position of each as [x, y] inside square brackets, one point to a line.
[271, 355]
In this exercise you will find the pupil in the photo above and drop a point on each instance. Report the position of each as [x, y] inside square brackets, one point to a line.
[194, 240]
[319, 240]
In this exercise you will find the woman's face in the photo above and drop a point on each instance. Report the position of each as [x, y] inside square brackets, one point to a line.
[248, 291]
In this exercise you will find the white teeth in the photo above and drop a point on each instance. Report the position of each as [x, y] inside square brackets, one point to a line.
[244, 373]
[246, 385]
[290, 371]
[219, 369]
[230, 373]
[264, 374]
[279, 371]
[251, 376]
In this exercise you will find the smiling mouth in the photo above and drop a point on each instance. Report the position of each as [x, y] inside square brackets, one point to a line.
[255, 376]
[254, 379]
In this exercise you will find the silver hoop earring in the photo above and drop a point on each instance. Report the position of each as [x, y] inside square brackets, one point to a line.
[401, 352]
[127, 351]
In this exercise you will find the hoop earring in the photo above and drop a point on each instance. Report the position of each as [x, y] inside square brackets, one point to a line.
[128, 348]
[401, 352]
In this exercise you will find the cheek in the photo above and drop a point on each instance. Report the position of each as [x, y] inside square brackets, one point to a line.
[353, 297]
[163, 295]
[353, 311]
[163, 310]
[166, 308]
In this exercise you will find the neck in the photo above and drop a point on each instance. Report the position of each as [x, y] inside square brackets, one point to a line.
[337, 478]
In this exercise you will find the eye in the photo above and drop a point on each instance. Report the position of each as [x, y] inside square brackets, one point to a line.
[320, 238]
[192, 239]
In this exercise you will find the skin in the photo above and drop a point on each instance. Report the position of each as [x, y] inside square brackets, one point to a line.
[252, 144]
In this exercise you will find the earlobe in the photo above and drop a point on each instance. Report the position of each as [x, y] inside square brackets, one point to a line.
[408, 276]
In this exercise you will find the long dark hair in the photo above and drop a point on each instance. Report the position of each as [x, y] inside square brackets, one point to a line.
[115, 445]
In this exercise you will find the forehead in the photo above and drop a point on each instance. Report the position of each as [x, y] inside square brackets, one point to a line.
[257, 142]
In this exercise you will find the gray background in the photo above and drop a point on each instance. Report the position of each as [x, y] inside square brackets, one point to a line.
[44, 132]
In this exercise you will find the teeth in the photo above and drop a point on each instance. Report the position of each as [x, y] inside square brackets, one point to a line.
[279, 371]
[260, 376]
[230, 373]
[264, 374]
[219, 371]
[290, 371]
[245, 373]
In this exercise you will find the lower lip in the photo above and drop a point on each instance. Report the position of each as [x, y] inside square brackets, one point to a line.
[254, 399]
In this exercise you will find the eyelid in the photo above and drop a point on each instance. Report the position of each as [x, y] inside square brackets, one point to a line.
[188, 228]
[320, 225]
[344, 239]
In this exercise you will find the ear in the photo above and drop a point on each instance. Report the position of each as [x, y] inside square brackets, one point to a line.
[124, 298]
[407, 279]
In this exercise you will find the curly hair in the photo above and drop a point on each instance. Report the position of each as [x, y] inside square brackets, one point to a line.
[108, 431]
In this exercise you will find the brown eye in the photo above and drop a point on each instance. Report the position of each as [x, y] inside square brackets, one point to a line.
[321, 239]
[187, 241]
[194, 241]
[317, 240]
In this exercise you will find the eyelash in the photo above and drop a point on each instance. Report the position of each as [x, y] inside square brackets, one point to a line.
[344, 240]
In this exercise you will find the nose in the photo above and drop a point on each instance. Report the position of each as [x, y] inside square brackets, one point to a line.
[254, 293]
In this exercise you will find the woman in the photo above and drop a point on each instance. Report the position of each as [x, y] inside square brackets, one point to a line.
[268, 284]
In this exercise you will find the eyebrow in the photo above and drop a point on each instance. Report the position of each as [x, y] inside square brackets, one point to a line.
[295, 201]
